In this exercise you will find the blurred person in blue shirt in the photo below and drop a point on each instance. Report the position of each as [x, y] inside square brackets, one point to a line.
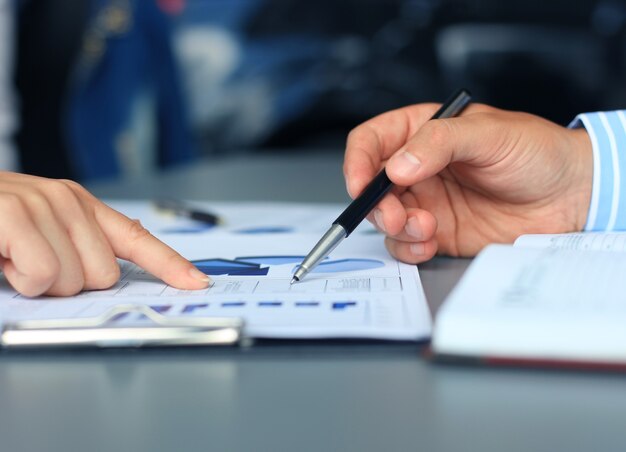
[126, 80]
[99, 89]
[8, 157]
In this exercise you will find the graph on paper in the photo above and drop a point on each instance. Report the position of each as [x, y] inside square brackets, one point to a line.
[358, 291]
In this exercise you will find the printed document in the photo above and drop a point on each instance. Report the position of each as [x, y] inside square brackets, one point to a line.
[359, 291]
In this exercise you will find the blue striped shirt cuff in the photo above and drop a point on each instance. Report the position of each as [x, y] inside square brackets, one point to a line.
[607, 131]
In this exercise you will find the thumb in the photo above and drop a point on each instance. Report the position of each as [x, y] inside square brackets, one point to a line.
[434, 146]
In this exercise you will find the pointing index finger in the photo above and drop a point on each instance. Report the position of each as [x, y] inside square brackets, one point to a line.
[131, 241]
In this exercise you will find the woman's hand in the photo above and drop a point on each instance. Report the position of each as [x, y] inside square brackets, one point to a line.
[58, 239]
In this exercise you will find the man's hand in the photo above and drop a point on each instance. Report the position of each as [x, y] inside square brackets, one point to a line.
[462, 183]
[58, 239]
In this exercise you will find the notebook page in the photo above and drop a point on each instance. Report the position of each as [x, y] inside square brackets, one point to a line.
[537, 303]
[599, 241]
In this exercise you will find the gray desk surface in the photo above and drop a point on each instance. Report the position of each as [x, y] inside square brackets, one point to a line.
[300, 397]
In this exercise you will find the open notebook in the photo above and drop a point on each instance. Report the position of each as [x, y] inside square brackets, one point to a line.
[549, 299]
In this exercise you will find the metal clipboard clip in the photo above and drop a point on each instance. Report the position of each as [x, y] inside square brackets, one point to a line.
[98, 331]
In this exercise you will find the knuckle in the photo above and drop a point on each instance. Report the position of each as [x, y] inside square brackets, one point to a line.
[35, 199]
[171, 258]
[428, 223]
[354, 142]
[391, 245]
[111, 277]
[107, 277]
[67, 283]
[136, 231]
[353, 135]
[76, 188]
[431, 250]
[70, 183]
[437, 133]
[50, 272]
[59, 189]
[136, 234]
[65, 204]
[11, 205]
[363, 136]
[45, 275]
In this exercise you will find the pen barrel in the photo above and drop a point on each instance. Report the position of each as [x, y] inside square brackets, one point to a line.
[204, 217]
[381, 184]
[454, 105]
[364, 203]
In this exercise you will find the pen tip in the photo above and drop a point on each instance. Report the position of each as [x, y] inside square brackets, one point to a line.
[294, 280]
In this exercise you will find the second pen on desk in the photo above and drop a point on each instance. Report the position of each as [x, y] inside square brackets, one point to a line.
[182, 209]
[363, 204]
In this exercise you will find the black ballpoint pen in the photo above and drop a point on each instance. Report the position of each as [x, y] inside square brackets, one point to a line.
[358, 209]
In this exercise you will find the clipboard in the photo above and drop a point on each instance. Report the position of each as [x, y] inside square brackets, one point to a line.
[98, 332]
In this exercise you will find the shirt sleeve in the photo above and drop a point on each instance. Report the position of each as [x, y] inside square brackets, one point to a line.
[607, 131]
[8, 158]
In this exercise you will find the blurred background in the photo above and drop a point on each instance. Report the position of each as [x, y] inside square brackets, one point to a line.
[106, 87]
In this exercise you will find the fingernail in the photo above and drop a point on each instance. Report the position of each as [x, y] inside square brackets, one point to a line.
[405, 164]
[417, 249]
[378, 216]
[197, 274]
[413, 229]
